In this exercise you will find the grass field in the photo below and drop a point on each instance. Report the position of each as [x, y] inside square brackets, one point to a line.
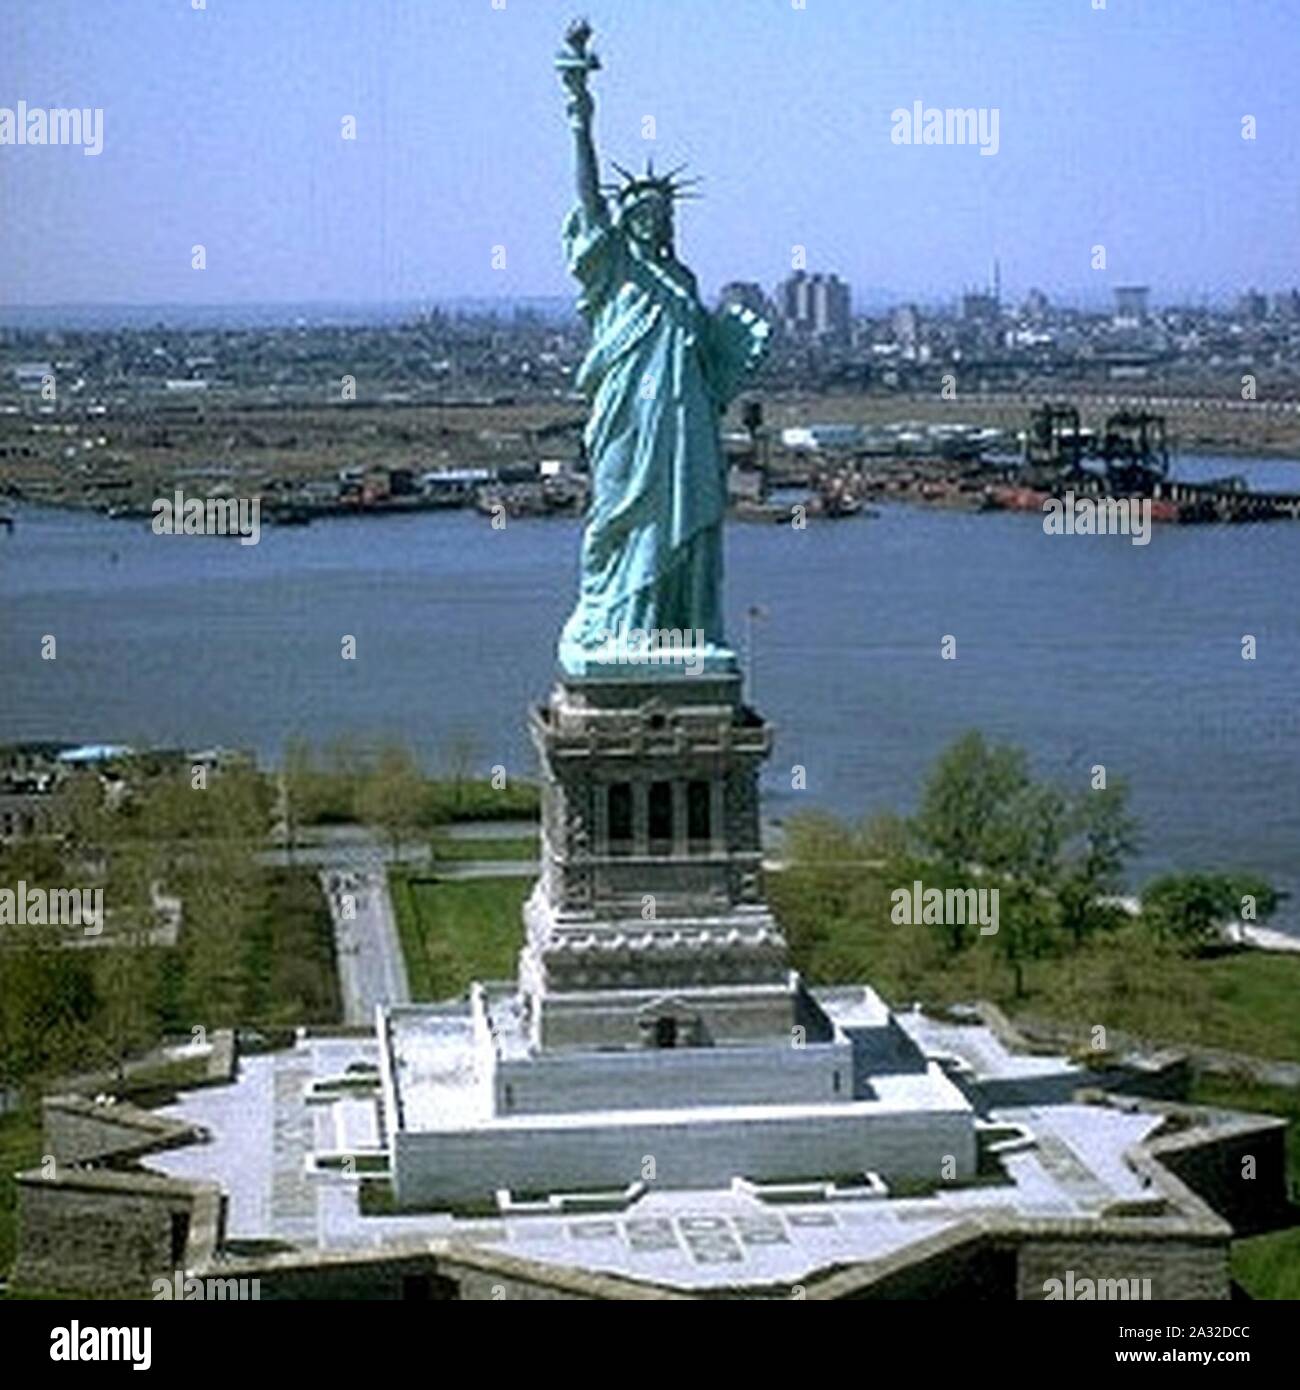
[20, 1147]
[288, 969]
[454, 932]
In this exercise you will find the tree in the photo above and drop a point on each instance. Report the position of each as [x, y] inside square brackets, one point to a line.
[296, 778]
[1103, 837]
[87, 820]
[47, 998]
[1190, 910]
[126, 964]
[1052, 855]
[390, 796]
[1025, 921]
[205, 841]
[968, 804]
[126, 990]
[334, 791]
[818, 849]
[1263, 898]
[983, 817]
[460, 756]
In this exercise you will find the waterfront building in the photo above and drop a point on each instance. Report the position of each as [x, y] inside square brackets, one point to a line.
[828, 436]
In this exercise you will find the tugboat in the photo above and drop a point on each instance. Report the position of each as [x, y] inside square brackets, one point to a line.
[836, 497]
[836, 506]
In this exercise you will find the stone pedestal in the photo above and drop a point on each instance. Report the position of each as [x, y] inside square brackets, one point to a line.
[655, 1013]
[648, 926]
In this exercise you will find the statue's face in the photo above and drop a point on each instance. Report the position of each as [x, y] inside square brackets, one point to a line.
[650, 222]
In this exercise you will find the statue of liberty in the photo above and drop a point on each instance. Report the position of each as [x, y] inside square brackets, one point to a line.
[659, 373]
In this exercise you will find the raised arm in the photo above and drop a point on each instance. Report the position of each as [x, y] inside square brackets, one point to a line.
[575, 65]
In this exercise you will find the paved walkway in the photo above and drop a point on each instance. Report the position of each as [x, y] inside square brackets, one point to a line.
[353, 862]
[369, 951]
[343, 854]
[490, 829]
[262, 1137]
[353, 865]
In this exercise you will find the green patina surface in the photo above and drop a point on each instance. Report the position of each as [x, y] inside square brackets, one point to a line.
[659, 373]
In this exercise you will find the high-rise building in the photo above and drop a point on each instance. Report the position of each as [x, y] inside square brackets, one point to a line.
[1252, 307]
[815, 306]
[979, 306]
[906, 322]
[1131, 305]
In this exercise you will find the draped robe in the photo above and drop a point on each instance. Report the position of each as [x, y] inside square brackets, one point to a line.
[659, 373]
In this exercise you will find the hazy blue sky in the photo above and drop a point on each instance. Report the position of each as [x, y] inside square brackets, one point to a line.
[222, 126]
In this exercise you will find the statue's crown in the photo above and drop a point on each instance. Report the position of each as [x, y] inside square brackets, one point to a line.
[635, 186]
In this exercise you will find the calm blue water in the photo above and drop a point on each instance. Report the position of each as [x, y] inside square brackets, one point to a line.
[1084, 650]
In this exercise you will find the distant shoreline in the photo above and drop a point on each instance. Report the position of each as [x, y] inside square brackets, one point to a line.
[38, 318]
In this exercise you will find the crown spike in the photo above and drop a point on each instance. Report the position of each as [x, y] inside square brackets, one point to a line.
[668, 185]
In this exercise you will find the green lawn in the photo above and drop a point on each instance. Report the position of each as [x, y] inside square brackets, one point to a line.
[289, 975]
[454, 932]
[20, 1147]
[333, 798]
[477, 799]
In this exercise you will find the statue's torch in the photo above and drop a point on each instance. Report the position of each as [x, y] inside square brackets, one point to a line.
[574, 57]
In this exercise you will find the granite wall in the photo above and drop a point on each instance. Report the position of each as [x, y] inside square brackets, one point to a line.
[102, 1232]
[569, 1155]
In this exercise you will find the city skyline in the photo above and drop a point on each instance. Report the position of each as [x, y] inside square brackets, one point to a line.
[233, 141]
[871, 302]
